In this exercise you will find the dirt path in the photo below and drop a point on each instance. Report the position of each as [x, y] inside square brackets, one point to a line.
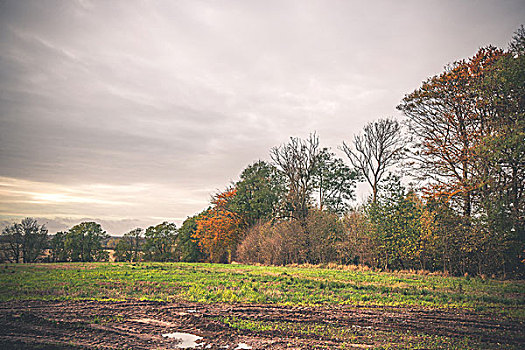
[140, 325]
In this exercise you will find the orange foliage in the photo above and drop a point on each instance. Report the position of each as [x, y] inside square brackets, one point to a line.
[452, 117]
[219, 230]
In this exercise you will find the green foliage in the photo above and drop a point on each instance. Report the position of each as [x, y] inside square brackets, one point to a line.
[84, 242]
[395, 219]
[334, 182]
[24, 241]
[160, 242]
[57, 243]
[129, 247]
[259, 193]
[187, 245]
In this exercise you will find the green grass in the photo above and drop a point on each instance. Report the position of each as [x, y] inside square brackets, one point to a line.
[350, 337]
[211, 283]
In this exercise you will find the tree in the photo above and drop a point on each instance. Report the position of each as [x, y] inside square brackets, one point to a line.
[129, 247]
[469, 126]
[449, 116]
[395, 218]
[83, 242]
[25, 241]
[334, 183]
[187, 246]
[324, 233]
[258, 193]
[219, 230]
[57, 251]
[517, 44]
[373, 152]
[298, 160]
[160, 242]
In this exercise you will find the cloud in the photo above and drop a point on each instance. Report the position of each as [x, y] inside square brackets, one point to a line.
[180, 96]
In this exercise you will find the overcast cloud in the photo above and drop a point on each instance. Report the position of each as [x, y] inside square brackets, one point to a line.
[135, 112]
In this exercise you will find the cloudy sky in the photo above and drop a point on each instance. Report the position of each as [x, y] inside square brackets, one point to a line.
[134, 112]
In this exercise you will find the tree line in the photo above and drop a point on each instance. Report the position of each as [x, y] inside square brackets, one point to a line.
[447, 185]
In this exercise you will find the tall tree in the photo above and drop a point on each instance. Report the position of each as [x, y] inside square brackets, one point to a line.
[375, 150]
[449, 116]
[298, 160]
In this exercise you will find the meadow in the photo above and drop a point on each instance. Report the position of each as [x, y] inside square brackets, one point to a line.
[430, 311]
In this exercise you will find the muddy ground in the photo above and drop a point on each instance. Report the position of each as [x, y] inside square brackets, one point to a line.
[140, 325]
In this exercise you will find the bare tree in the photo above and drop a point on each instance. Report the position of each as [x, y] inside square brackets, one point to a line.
[298, 160]
[375, 150]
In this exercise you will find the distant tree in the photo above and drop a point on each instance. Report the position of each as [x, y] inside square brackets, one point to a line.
[334, 183]
[12, 244]
[129, 247]
[58, 251]
[298, 161]
[517, 44]
[84, 242]
[376, 150]
[160, 242]
[187, 245]
[24, 241]
[258, 193]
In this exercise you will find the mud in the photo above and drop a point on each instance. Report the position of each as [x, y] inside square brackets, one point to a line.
[142, 324]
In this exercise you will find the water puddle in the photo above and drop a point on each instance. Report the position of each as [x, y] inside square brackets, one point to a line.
[190, 341]
[184, 340]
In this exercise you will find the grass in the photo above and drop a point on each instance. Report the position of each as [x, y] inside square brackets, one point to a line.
[350, 338]
[211, 283]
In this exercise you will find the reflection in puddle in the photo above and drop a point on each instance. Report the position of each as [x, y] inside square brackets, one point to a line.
[184, 340]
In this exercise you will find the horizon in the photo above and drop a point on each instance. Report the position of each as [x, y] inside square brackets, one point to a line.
[131, 114]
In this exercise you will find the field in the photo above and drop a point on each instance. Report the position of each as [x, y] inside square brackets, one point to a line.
[124, 306]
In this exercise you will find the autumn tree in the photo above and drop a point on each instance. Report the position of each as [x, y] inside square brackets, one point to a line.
[220, 229]
[374, 151]
[298, 160]
[449, 116]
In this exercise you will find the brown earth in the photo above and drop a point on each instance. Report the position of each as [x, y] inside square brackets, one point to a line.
[140, 325]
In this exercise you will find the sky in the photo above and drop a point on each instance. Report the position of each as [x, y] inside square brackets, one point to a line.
[131, 113]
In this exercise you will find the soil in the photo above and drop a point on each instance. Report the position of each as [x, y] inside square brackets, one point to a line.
[140, 325]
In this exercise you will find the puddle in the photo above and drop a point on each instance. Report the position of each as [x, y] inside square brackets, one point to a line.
[242, 346]
[184, 340]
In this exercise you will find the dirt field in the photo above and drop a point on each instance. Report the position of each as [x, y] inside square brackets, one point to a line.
[140, 325]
